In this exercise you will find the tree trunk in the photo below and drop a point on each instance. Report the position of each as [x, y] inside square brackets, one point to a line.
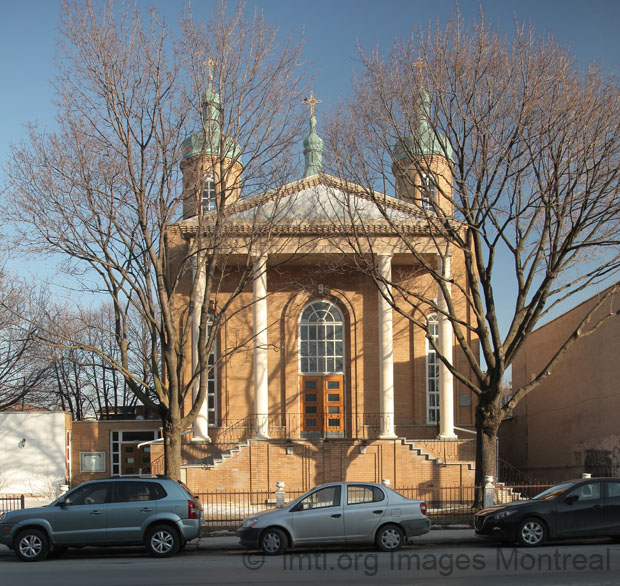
[488, 419]
[172, 448]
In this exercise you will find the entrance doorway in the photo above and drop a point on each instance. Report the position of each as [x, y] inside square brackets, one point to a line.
[322, 404]
[321, 366]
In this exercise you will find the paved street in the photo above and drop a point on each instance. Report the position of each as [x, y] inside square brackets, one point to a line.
[441, 557]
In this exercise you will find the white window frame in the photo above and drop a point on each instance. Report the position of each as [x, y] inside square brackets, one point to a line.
[212, 384]
[208, 202]
[92, 462]
[324, 357]
[432, 382]
[428, 191]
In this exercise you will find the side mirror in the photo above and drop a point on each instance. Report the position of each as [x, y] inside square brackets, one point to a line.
[571, 498]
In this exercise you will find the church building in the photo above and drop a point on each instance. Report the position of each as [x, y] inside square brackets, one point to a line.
[331, 382]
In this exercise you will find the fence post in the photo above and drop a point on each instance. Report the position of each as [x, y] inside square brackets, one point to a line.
[488, 499]
[280, 494]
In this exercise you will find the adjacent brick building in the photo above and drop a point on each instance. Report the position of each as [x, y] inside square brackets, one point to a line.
[569, 425]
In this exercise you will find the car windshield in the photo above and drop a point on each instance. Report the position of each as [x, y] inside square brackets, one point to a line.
[554, 491]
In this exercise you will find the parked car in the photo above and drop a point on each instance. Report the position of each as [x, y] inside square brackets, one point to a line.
[341, 512]
[577, 508]
[157, 512]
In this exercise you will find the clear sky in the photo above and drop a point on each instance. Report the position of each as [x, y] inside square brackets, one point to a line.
[332, 29]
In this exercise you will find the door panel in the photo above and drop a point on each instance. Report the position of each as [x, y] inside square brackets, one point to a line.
[319, 517]
[364, 509]
[322, 403]
[583, 516]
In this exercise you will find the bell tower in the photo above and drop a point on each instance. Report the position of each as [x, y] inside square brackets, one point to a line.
[422, 162]
[211, 161]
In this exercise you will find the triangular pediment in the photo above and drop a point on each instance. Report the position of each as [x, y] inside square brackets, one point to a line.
[318, 204]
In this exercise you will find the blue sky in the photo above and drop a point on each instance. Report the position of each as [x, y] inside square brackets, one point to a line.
[28, 33]
[332, 29]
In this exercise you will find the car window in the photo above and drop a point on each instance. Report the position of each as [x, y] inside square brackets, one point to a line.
[127, 492]
[552, 492]
[587, 492]
[613, 490]
[364, 494]
[91, 494]
[324, 497]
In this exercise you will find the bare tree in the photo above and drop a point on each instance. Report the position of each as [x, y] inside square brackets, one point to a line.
[81, 381]
[23, 367]
[105, 190]
[510, 155]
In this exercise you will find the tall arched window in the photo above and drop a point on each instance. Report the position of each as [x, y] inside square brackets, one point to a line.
[208, 196]
[432, 372]
[321, 339]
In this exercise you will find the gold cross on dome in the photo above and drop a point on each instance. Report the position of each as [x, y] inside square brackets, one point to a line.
[312, 102]
[419, 65]
[210, 64]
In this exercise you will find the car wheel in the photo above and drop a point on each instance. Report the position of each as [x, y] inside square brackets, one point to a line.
[532, 532]
[162, 541]
[390, 538]
[273, 541]
[32, 545]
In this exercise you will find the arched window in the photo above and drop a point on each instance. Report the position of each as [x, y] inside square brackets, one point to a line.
[321, 339]
[428, 191]
[208, 196]
[432, 372]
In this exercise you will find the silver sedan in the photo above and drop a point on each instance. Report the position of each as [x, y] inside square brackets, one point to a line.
[340, 512]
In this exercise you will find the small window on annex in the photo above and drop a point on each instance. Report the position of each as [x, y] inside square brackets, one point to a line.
[92, 461]
[432, 373]
[208, 196]
[321, 339]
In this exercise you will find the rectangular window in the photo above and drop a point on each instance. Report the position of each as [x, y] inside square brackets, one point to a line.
[92, 461]
[432, 374]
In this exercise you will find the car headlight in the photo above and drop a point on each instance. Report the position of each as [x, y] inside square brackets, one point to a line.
[2, 516]
[250, 522]
[503, 514]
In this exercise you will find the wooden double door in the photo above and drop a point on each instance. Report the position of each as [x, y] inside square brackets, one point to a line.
[322, 404]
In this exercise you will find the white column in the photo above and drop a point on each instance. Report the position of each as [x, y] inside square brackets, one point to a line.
[201, 423]
[261, 372]
[446, 380]
[386, 351]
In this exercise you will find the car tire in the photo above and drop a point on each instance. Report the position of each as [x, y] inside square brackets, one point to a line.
[532, 532]
[389, 538]
[162, 541]
[32, 545]
[273, 541]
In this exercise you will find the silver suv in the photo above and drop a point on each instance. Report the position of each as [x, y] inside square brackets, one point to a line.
[157, 512]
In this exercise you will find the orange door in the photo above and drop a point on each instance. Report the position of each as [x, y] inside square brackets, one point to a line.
[322, 403]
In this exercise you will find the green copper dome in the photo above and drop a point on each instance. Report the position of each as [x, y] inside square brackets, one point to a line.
[209, 140]
[425, 141]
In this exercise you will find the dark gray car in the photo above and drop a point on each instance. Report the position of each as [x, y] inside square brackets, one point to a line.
[157, 512]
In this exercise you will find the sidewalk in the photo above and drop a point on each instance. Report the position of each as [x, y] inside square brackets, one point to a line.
[227, 540]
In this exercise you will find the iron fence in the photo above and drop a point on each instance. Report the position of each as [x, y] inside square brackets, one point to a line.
[445, 505]
[12, 503]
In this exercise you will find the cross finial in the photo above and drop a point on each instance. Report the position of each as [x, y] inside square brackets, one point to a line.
[312, 102]
[419, 65]
[210, 64]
